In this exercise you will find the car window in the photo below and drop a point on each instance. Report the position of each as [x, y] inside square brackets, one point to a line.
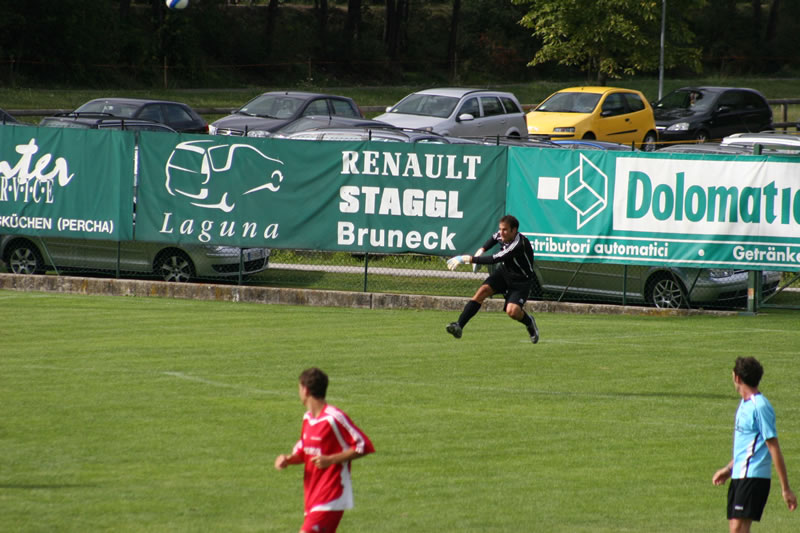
[273, 106]
[343, 108]
[510, 105]
[431, 105]
[491, 106]
[634, 102]
[569, 102]
[470, 107]
[732, 99]
[152, 112]
[175, 114]
[317, 107]
[113, 108]
[614, 104]
[753, 101]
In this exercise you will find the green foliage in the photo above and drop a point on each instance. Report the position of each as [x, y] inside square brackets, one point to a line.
[145, 414]
[607, 38]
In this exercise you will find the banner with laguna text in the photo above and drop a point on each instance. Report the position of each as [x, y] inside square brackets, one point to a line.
[340, 196]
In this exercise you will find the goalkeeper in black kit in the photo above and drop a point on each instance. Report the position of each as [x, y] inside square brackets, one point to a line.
[513, 278]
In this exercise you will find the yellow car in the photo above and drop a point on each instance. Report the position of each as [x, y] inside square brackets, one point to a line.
[603, 113]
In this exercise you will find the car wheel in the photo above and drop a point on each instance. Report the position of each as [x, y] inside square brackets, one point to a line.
[649, 142]
[702, 136]
[24, 258]
[666, 292]
[589, 135]
[174, 265]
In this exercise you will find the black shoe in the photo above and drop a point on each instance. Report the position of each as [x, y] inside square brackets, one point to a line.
[454, 329]
[533, 331]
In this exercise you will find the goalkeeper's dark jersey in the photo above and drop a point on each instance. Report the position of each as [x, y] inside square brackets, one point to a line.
[516, 257]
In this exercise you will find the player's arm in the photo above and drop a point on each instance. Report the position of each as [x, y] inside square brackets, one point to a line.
[324, 461]
[780, 465]
[723, 474]
[283, 460]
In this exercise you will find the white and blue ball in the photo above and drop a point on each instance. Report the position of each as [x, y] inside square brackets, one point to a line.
[177, 4]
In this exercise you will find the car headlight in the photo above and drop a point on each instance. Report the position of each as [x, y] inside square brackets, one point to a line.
[570, 129]
[258, 133]
[680, 126]
[212, 129]
[716, 273]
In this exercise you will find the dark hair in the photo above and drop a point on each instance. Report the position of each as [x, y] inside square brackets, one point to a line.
[749, 370]
[511, 220]
[316, 381]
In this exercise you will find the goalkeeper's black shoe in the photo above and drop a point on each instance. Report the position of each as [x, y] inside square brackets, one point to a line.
[533, 331]
[454, 329]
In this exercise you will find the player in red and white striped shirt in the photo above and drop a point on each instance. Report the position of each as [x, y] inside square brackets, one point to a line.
[328, 443]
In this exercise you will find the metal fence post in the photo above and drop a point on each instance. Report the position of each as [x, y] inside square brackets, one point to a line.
[753, 291]
[366, 264]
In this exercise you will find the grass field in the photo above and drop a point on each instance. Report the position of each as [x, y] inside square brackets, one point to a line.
[145, 414]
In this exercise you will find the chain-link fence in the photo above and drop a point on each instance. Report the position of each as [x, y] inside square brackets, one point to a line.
[394, 273]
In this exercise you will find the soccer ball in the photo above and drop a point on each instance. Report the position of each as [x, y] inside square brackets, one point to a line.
[177, 4]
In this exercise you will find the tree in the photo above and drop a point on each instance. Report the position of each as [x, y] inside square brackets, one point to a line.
[609, 38]
[452, 42]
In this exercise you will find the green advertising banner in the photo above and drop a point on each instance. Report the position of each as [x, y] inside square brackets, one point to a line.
[341, 196]
[654, 209]
[66, 183]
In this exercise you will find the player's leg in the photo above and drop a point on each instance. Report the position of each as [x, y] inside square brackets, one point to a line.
[739, 525]
[322, 522]
[492, 285]
[515, 308]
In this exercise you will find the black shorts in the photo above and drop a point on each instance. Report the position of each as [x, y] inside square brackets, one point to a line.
[747, 497]
[514, 290]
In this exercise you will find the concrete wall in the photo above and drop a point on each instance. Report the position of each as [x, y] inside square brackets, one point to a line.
[269, 295]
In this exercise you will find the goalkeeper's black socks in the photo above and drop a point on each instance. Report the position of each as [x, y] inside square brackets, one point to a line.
[527, 320]
[469, 311]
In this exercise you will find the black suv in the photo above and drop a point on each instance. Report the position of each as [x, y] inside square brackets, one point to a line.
[178, 116]
[265, 114]
[710, 113]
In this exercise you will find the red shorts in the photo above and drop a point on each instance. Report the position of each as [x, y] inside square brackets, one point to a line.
[322, 521]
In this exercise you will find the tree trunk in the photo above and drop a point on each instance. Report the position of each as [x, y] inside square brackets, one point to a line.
[272, 16]
[772, 21]
[452, 42]
[124, 10]
[352, 26]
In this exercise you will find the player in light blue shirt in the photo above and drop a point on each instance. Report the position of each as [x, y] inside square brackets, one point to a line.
[755, 448]
[755, 424]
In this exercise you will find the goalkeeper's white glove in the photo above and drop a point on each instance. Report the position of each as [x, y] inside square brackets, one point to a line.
[456, 260]
[476, 266]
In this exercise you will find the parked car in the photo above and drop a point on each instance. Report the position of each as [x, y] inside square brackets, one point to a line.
[706, 148]
[314, 122]
[378, 134]
[265, 114]
[660, 286]
[459, 113]
[27, 255]
[529, 142]
[708, 113]
[105, 123]
[603, 113]
[589, 144]
[178, 116]
[769, 139]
